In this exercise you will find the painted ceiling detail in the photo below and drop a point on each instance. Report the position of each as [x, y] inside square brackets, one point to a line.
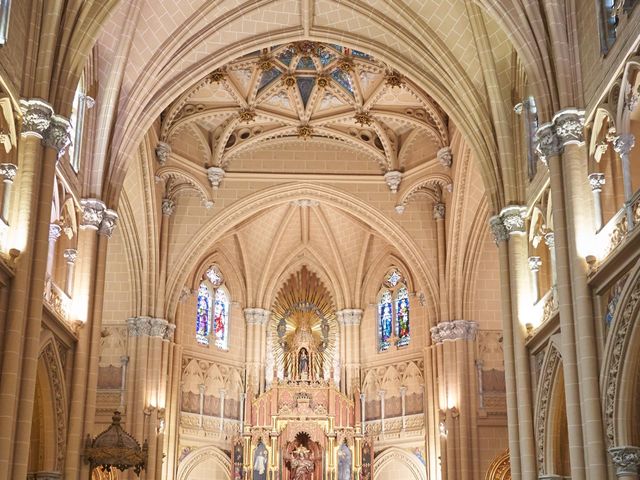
[300, 91]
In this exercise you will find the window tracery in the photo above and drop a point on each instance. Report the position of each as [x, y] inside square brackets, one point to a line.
[393, 312]
[212, 310]
[5, 9]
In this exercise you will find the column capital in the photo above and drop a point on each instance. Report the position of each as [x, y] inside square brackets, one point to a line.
[58, 135]
[550, 239]
[626, 460]
[70, 255]
[158, 327]
[139, 326]
[498, 231]
[624, 143]
[36, 116]
[349, 316]
[168, 206]
[445, 157]
[534, 263]
[382, 393]
[108, 223]
[92, 213]
[439, 211]
[170, 332]
[202, 387]
[393, 178]
[596, 181]
[566, 128]
[454, 330]
[54, 232]
[256, 316]
[163, 150]
[513, 219]
[8, 172]
[215, 176]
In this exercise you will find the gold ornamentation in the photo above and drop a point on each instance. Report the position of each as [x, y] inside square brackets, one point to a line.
[247, 115]
[345, 64]
[289, 81]
[394, 79]
[323, 81]
[216, 76]
[363, 118]
[305, 132]
[265, 63]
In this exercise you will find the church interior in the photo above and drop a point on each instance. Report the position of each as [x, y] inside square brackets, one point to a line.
[319, 240]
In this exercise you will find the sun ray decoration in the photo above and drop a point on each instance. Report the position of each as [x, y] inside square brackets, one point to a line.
[304, 312]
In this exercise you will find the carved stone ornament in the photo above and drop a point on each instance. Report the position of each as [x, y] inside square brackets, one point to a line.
[547, 143]
[70, 255]
[438, 211]
[400, 209]
[247, 115]
[549, 240]
[569, 126]
[36, 116]
[163, 150]
[445, 157]
[58, 135]
[170, 332]
[363, 118]
[8, 172]
[498, 230]
[256, 316]
[513, 219]
[92, 213]
[168, 206]
[54, 232]
[394, 79]
[108, 224]
[393, 179]
[215, 176]
[625, 459]
[623, 144]
[158, 327]
[350, 316]
[305, 132]
[596, 181]
[454, 330]
[304, 202]
[542, 407]
[139, 326]
[534, 263]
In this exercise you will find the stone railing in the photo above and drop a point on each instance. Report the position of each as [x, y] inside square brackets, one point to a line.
[58, 301]
[208, 426]
[397, 427]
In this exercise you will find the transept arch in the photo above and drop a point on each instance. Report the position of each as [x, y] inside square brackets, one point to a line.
[205, 463]
[394, 463]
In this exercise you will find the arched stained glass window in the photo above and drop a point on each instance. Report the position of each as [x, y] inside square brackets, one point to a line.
[212, 310]
[393, 312]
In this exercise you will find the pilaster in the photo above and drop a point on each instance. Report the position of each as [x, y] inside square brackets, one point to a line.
[349, 321]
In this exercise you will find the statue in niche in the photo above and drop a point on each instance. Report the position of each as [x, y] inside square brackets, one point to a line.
[344, 462]
[303, 362]
[260, 460]
[302, 463]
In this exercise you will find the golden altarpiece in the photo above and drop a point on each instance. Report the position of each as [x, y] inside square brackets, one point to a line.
[303, 427]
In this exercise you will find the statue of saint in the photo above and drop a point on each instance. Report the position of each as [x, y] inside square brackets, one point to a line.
[302, 464]
[344, 462]
[303, 362]
[260, 460]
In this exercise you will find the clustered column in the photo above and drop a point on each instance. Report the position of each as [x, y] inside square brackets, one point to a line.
[256, 320]
[349, 322]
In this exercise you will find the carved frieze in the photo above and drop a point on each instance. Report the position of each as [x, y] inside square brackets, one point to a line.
[454, 330]
[36, 116]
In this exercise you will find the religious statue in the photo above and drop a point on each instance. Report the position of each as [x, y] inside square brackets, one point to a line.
[303, 362]
[301, 464]
[344, 462]
[260, 460]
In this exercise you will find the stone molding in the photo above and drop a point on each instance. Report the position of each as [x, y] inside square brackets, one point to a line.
[215, 176]
[8, 172]
[304, 202]
[454, 330]
[439, 211]
[108, 224]
[626, 460]
[36, 117]
[498, 231]
[445, 157]
[70, 255]
[513, 219]
[168, 207]
[566, 128]
[393, 179]
[545, 387]
[596, 181]
[162, 151]
[256, 316]
[349, 316]
[92, 213]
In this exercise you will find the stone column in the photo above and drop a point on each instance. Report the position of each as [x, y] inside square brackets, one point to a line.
[549, 242]
[223, 393]
[501, 238]
[8, 174]
[438, 215]
[350, 319]
[623, 145]
[597, 181]
[256, 320]
[54, 233]
[168, 207]
[534, 267]
[626, 460]
[363, 412]
[381, 394]
[70, 255]
[403, 398]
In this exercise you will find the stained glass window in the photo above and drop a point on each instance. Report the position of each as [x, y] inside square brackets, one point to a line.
[221, 318]
[77, 122]
[203, 315]
[5, 8]
[402, 316]
[385, 319]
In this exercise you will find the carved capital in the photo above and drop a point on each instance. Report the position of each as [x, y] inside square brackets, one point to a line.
[393, 179]
[215, 176]
[163, 150]
[596, 181]
[549, 240]
[70, 255]
[158, 327]
[513, 219]
[58, 135]
[256, 316]
[139, 326]
[547, 143]
[625, 459]
[454, 330]
[54, 232]
[438, 211]
[534, 264]
[445, 157]
[36, 116]
[498, 230]
[168, 206]
[92, 213]
[569, 126]
[623, 144]
[8, 172]
[108, 224]
[170, 332]
[349, 316]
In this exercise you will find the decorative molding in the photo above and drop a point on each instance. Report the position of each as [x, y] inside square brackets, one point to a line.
[393, 179]
[8, 172]
[163, 150]
[626, 460]
[168, 207]
[92, 213]
[513, 219]
[70, 255]
[544, 395]
[534, 263]
[57, 384]
[454, 330]
[215, 176]
[139, 326]
[305, 202]
[445, 157]
[54, 232]
[256, 316]
[498, 230]
[550, 240]
[349, 316]
[438, 211]
[596, 181]
[36, 116]
[108, 223]
[58, 135]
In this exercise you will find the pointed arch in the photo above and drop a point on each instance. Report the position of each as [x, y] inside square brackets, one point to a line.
[395, 463]
[205, 462]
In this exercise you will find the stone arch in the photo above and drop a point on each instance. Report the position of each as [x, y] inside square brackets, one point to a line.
[500, 468]
[619, 378]
[237, 213]
[394, 463]
[205, 463]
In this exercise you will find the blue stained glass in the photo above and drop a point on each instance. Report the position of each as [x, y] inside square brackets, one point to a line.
[344, 79]
[306, 63]
[393, 278]
[221, 318]
[286, 56]
[357, 53]
[305, 85]
[385, 320]
[268, 77]
[337, 47]
[203, 315]
[402, 316]
[326, 57]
